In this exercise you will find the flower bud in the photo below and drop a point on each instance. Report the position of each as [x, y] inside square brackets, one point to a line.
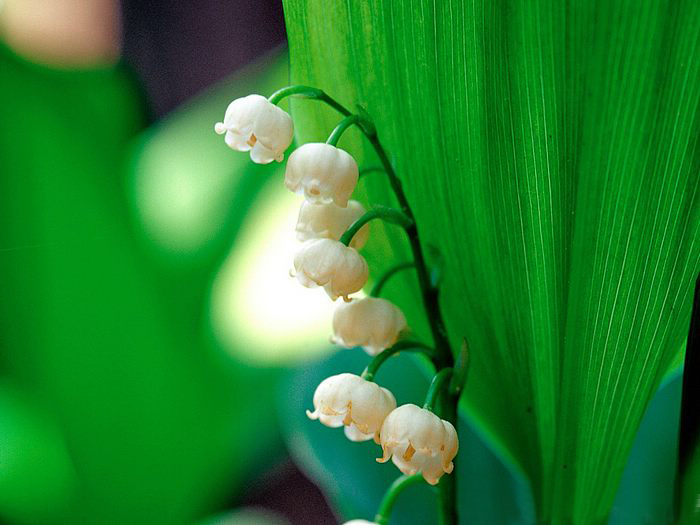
[419, 441]
[254, 124]
[371, 322]
[329, 221]
[324, 262]
[350, 401]
[322, 173]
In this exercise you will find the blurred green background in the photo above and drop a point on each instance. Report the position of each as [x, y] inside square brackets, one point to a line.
[123, 396]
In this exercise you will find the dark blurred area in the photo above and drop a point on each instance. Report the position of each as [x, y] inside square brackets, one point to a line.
[179, 48]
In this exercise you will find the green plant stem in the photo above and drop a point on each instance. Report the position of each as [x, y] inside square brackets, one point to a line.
[431, 301]
[379, 212]
[436, 386]
[307, 92]
[379, 359]
[341, 127]
[392, 493]
[447, 488]
[377, 288]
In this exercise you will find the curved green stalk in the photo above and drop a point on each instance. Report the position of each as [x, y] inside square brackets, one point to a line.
[342, 126]
[439, 381]
[378, 360]
[307, 92]
[380, 212]
[392, 493]
[377, 288]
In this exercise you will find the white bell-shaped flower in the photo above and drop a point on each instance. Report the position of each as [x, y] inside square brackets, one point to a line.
[372, 323]
[254, 124]
[351, 401]
[329, 221]
[360, 522]
[324, 262]
[419, 441]
[322, 173]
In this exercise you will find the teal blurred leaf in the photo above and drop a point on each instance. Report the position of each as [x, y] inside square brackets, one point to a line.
[645, 495]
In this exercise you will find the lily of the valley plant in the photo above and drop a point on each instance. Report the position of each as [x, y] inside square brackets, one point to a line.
[421, 442]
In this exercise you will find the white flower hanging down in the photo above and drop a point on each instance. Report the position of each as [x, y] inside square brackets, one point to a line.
[359, 522]
[254, 124]
[372, 323]
[348, 400]
[324, 262]
[329, 221]
[322, 173]
[419, 441]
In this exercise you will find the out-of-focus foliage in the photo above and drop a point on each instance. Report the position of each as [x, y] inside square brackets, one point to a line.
[645, 494]
[550, 153]
[36, 474]
[135, 413]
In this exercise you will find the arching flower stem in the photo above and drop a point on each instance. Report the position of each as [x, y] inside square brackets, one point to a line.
[379, 212]
[401, 346]
[344, 125]
[440, 380]
[307, 92]
[379, 285]
[392, 493]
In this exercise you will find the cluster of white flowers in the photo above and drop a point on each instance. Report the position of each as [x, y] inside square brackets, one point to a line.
[416, 439]
[326, 176]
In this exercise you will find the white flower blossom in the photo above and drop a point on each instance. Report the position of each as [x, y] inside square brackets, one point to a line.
[419, 441]
[322, 173]
[329, 221]
[372, 323]
[324, 262]
[359, 522]
[254, 124]
[351, 401]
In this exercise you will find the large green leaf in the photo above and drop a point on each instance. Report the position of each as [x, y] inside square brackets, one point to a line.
[550, 151]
